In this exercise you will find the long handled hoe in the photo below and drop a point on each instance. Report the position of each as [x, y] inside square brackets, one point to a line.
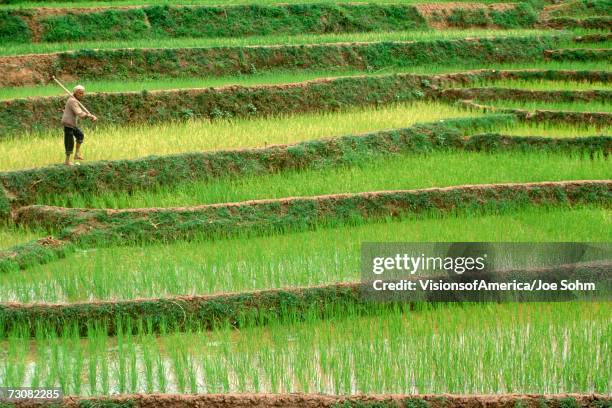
[70, 93]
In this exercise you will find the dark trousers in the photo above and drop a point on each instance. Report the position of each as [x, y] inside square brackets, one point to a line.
[70, 135]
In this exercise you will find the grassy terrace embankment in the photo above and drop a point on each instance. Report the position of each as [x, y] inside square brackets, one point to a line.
[239, 309]
[578, 115]
[226, 102]
[248, 60]
[595, 23]
[349, 151]
[580, 54]
[581, 8]
[589, 80]
[591, 106]
[44, 25]
[97, 227]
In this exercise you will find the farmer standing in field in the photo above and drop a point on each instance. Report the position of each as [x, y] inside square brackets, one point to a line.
[72, 112]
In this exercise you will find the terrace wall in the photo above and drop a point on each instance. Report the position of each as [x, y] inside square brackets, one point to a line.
[93, 227]
[583, 8]
[22, 187]
[129, 175]
[44, 25]
[36, 252]
[594, 23]
[31, 185]
[5, 204]
[245, 308]
[217, 61]
[597, 119]
[258, 307]
[23, 115]
[178, 312]
[579, 54]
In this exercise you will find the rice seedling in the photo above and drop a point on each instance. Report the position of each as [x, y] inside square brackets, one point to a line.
[490, 347]
[161, 374]
[399, 172]
[322, 256]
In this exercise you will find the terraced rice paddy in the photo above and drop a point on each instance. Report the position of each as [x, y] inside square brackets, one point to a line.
[415, 35]
[171, 138]
[281, 77]
[197, 135]
[381, 351]
[148, 270]
[379, 174]
[326, 255]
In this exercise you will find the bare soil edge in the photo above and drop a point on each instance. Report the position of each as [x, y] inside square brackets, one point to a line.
[319, 400]
[433, 12]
